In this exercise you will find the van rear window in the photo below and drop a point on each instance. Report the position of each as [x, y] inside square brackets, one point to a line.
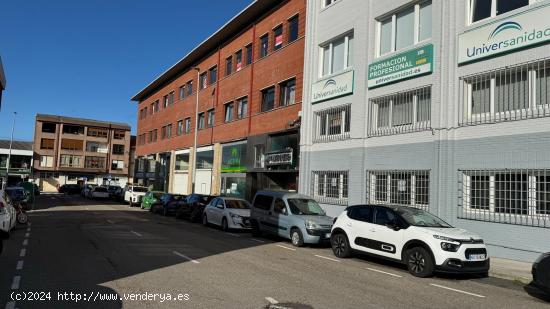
[263, 202]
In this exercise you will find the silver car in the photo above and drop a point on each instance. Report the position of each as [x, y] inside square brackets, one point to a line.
[290, 215]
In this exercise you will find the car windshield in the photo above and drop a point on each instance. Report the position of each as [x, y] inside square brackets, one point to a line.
[304, 206]
[100, 189]
[237, 204]
[418, 217]
[140, 189]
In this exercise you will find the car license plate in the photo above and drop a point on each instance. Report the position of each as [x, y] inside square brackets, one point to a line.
[476, 257]
[327, 235]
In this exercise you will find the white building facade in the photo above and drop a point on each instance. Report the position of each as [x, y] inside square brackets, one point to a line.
[441, 105]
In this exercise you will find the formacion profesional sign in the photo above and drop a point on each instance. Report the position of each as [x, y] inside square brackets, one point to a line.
[418, 61]
[521, 30]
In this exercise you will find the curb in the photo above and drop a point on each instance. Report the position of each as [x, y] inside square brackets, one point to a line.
[515, 278]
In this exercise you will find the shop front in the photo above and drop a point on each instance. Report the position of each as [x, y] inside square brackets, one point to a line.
[233, 169]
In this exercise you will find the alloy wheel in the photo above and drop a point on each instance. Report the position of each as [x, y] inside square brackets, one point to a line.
[339, 245]
[295, 238]
[417, 262]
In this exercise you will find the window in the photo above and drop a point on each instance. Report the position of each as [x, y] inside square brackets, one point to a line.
[154, 135]
[165, 100]
[229, 111]
[364, 213]
[279, 207]
[141, 139]
[402, 112]
[202, 80]
[242, 107]
[46, 161]
[182, 162]
[97, 147]
[187, 125]
[180, 127]
[73, 129]
[156, 107]
[213, 73]
[205, 159]
[163, 132]
[118, 149]
[150, 139]
[70, 161]
[201, 121]
[337, 55]
[210, 122]
[264, 45]
[287, 92]
[333, 124]
[119, 134]
[278, 37]
[47, 143]
[482, 9]
[268, 99]
[48, 127]
[229, 65]
[505, 196]
[399, 187]
[168, 99]
[263, 202]
[239, 60]
[259, 156]
[293, 29]
[182, 92]
[169, 131]
[512, 93]
[117, 165]
[189, 87]
[72, 144]
[402, 29]
[249, 54]
[330, 187]
[97, 132]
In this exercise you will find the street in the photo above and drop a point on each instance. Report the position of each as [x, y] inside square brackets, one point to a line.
[98, 249]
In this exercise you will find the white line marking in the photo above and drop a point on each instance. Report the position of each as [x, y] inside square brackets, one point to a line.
[136, 233]
[257, 240]
[383, 272]
[27, 235]
[29, 224]
[286, 247]
[28, 229]
[23, 252]
[459, 291]
[19, 265]
[327, 258]
[87, 208]
[15, 282]
[111, 221]
[185, 257]
[232, 234]
[25, 242]
[10, 305]
[271, 300]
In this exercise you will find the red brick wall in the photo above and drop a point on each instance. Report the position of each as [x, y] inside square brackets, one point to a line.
[278, 66]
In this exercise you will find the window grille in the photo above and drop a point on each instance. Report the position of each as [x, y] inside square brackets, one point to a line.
[330, 187]
[399, 187]
[333, 124]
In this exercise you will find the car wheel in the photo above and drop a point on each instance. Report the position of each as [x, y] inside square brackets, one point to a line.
[22, 218]
[340, 245]
[204, 220]
[225, 227]
[256, 232]
[296, 237]
[419, 262]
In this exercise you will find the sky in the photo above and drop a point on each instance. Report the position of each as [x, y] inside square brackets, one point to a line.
[87, 58]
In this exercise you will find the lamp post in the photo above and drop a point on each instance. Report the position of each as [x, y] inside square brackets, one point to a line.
[194, 175]
[9, 153]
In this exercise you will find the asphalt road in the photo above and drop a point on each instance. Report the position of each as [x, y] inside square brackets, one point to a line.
[97, 250]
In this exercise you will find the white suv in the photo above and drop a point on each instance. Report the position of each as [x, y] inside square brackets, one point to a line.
[7, 217]
[422, 241]
[133, 194]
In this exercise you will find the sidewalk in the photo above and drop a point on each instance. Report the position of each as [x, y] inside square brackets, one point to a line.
[511, 270]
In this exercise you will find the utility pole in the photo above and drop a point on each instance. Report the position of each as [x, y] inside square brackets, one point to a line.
[194, 175]
[9, 153]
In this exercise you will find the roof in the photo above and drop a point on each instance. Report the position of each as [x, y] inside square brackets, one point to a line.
[2, 76]
[82, 121]
[226, 32]
[16, 145]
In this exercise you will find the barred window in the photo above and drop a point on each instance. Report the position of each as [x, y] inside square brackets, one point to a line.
[401, 112]
[399, 187]
[519, 197]
[333, 124]
[330, 187]
[512, 93]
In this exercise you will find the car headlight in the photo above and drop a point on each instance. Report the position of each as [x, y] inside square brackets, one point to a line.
[444, 238]
[312, 225]
[236, 218]
[447, 246]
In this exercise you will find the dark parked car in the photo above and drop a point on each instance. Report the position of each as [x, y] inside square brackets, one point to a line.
[70, 189]
[167, 204]
[540, 286]
[192, 207]
[113, 190]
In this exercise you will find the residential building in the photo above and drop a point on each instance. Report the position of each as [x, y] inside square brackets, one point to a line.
[249, 83]
[2, 82]
[440, 105]
[20, 162]
[75, 150]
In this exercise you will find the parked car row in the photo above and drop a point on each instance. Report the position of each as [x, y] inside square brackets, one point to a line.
[13, 201]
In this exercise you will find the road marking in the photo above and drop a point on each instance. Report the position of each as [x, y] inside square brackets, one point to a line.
[25, 242]
[29, 229]
[185, 257]
[384, 272]
[111, 221]
[23, 252]
[15, 282]
[459, 291]
[327, 258]
[29, 224]
[27, 235]
[19, 265]
[271, 300]
[10, 305]
[232, 234]
[136, 233]
[286, 247]
[87, 208]
[257, 240]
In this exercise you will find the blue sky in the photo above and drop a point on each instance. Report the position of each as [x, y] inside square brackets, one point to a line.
[88, 58]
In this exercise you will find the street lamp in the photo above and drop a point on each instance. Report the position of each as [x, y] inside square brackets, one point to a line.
[194, 175]
[9, 153]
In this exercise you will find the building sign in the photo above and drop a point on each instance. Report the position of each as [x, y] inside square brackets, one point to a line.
[519, 31]
[333, 87]
[406, 65]
[278, 157]
[233, 158]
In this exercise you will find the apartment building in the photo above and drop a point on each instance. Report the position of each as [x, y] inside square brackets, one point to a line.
[247, 78]
[440, 105]
[74, 150]
[20, 160]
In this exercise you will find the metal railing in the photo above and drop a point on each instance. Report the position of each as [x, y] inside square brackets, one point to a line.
[332, 124]
[330, 187]
[399, 187]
